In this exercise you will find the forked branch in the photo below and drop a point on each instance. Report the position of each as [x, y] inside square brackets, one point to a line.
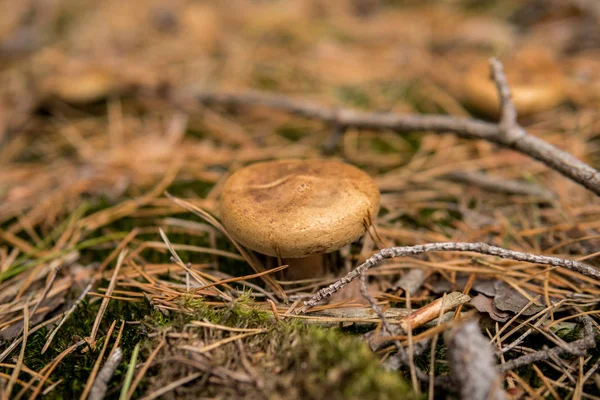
[508, 133]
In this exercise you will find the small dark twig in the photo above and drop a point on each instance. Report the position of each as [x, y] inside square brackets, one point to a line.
[481, 248]
[577, 347]
[364, 290]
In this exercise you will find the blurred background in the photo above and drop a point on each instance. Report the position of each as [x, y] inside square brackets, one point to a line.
[102, 83]
[97, 98]
[99, 116]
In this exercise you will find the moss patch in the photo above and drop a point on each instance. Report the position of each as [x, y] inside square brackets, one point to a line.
[286, 360]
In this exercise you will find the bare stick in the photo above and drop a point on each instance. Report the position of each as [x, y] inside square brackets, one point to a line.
[67, 314]
[433, 310]
[19, 365]
[507, 133]
[500, 185]
[101, 383]
[508, 112]
[473, 364]
[402, 356]
[104, 304]
[481, 248]
[364, 290]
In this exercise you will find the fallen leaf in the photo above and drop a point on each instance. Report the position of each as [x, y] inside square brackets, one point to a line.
[486, 305]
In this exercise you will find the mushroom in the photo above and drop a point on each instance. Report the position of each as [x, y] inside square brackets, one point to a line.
[298, 210]
[82, 85]
[536, 85]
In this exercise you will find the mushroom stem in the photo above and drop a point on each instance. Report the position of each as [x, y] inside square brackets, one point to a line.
[305, 268]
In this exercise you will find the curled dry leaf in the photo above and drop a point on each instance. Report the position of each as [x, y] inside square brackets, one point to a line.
[486, 305]
[504, 298]
[508, 298]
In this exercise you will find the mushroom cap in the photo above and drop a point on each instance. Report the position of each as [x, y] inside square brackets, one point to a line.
[296, 208]
[80, 85]
[535, 86]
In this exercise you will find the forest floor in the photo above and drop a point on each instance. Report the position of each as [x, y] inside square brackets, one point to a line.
[104, 142]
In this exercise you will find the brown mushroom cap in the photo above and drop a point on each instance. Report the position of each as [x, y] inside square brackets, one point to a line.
[296, 208]
[536, 85]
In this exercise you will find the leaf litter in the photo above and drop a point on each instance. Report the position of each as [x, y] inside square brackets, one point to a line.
[97, 121]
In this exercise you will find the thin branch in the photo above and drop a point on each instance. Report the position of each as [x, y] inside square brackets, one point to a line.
[577, 347]
[401, 355]
[508, 111]
[481, 248]
[500, 185]
[67, 314]
[507, 134]
[364, 290]
[108, 370]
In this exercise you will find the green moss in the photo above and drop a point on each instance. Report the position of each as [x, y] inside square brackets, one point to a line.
[296, 361]
[293, 132]
[264, 77]
[76, 367]
[330, 364]
[190, 188]
[353, 96]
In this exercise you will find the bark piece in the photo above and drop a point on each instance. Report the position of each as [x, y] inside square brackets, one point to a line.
[473, 365]
[509, 299]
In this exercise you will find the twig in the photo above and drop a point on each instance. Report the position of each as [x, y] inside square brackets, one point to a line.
[507, 133]
[364, 290]
[402, 356]
[104, 304]
[433, 310]
[96, 367]
[431, 392]
[508, 112]
[577, 347]
[500, 185]
[144, 369]
[473, 364]
[19, 365]
[173, 385]
[481, 248]
[101, 383]
[66, 315]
